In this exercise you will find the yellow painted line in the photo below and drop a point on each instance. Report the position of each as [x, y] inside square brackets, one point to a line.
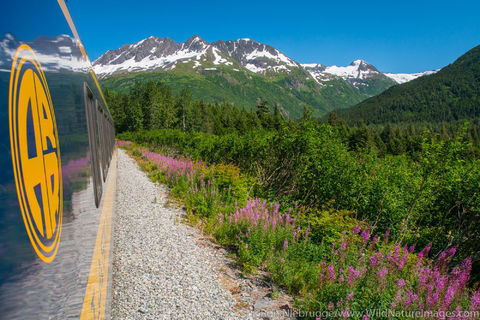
[95, 299]
[69, 19]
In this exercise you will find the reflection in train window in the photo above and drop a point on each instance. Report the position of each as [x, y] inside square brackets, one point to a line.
[93, 138]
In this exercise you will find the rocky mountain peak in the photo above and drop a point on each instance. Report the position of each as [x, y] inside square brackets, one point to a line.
[195, 43]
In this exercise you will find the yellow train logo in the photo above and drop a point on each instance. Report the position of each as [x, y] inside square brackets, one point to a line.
[35, 153]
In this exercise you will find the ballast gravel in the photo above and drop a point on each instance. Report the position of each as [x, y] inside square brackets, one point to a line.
[160, 268]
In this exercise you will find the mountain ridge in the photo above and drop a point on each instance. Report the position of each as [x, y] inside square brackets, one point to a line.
[254, 56]
[241, 71]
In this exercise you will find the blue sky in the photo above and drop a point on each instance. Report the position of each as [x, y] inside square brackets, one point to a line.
[403, 36]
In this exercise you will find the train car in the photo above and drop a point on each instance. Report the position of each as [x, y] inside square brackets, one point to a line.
[57, 178]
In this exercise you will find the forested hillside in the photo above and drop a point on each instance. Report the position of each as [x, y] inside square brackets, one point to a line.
[452, 94]
[290, 91]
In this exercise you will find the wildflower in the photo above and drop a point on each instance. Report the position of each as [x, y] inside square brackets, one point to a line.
[387, 233]
[350, 296]
[432, 299]
[365, 235]
[425, 251]
[382, 273]
[449, 296]
[373, 260]
[356, 230]
[282, 261]
[365, 317]
[401, 283]
[339, 303]
[441, 283]
[352, 274]
[341, 278]
[398, 296]
[307, 232]
[331, 273]
[452, 252]
[475, 303]
[411, 297]
[344, 246]
[246, 246]
[330, 306]
[285, 245]
[393, 304]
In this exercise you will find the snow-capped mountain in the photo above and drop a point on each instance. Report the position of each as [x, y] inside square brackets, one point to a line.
[165, 54]
[356, 73]
[256, 57]
[158, 54]
[59, 53]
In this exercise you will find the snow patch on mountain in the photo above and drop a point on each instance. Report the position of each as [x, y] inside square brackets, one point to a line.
[356, 73]
[358, 69]
[405, 77]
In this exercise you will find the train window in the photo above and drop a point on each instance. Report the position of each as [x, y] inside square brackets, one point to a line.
[93, 136]
[102, 140]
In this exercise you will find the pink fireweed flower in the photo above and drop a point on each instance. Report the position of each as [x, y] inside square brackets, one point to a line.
[285, 245]
[425, 251]
[475, 302]
[339, 303]
[356, 230]
[452, 252]
[441, 282]
[382, 273]
[373, 261]
[307, 232]
[398, 296]
[330, 306]
[246, 246]
[401, 283]
[365, 235]
[331, 272]
[282, 261]
[433, 299]
[447, 300]
[341, 278]
[352, 274]
[411, 298]
[387, 234]
[350, 296]
[343, 246]
[365, 317]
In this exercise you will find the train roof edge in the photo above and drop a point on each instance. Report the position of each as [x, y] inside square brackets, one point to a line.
[71, 24]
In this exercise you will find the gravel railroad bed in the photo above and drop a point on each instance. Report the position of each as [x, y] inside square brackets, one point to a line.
[164, 269]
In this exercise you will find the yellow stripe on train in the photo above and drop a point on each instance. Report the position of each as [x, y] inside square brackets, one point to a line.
[94, 302]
